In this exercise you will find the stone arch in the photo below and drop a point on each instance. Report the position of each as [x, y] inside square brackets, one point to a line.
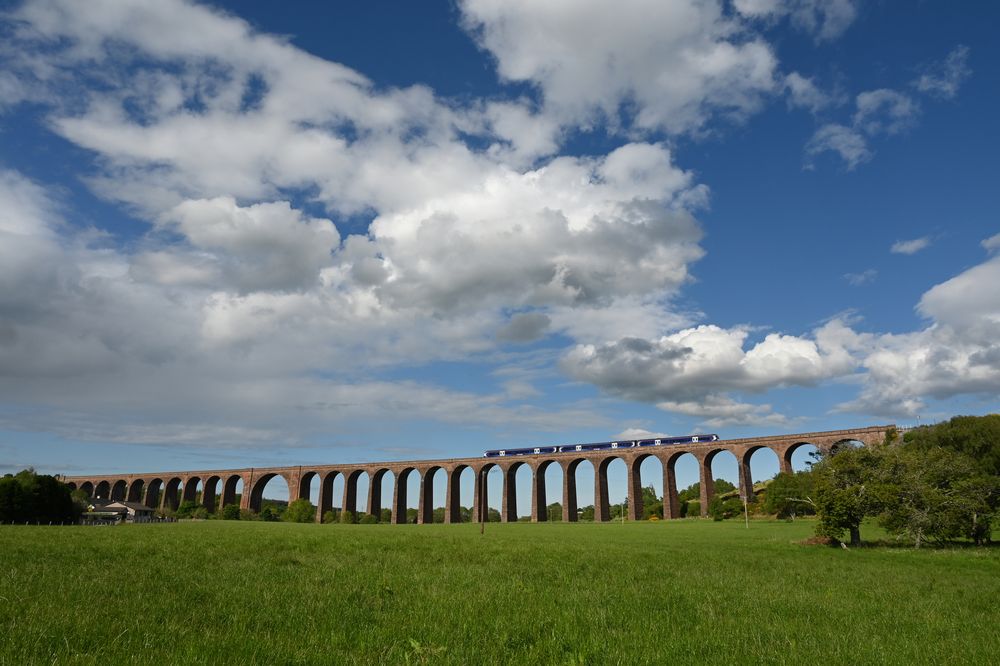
[786, 456]
[351, 482]
[539, 491]
[657, 476]
[191, 489]
[257, 492]
[231, 487]
[399, 494]
[326, 493]
[102, 490]
[508, 505]
[172, 494]
[135, 491]
[671, 496]
[151, 495]
[708, 475]
[88, 488]
[571, 498]
[425, 508]
[481, 502]
[209, 492]
[602, 502]
[119, 490]
[376, 489]
[71, 485]
[453, 496]
[847, 442]
[746, 469]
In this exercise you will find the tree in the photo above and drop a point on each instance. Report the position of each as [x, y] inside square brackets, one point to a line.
[231, 512]
[330, 517]
[721, 509]
[844, 492]
[347, 517]
[978, 437]
[36, 498]
[186, 509]
[300, 511]
[554, 512]
[790, 495]
[934, 494]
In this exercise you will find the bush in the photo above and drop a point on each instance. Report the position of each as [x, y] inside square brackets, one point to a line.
[186, 509]
[247, 514]
[300, 511]
[231, 512]
[329, 517]
[201, 513]
[693, 509]
[367, 519]
[347, 517]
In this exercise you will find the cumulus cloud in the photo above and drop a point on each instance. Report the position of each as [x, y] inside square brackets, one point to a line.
[943, 79]
[691, 371]
[910, 246]
[524, 327]
[659, 65]
[992, 243]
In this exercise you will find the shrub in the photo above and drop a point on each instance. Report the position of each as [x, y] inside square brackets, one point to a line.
[367, 519]
[330, 517]
[231, 512]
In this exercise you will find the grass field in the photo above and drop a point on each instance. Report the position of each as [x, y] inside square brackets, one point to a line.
[680, 592]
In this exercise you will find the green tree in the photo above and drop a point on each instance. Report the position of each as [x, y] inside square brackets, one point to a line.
[231, 512]
[790, 495]
[300, 511]
[844, 491]
[347, 517]
[587, 513]
[554, 512]
[978, 437]
[36, 498]
[934, 495]
[330, 517]
[186, 509]
[367, 519]
[385, 516]
[438, 515]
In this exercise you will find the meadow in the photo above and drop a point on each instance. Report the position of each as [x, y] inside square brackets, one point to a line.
[689, 591]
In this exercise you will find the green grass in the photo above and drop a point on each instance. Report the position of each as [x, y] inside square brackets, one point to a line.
[679, 592]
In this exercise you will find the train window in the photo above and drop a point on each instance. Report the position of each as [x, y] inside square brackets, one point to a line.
[658, 442]
[538, 450]
[503, 453]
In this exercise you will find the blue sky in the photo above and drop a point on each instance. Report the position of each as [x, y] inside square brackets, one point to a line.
[247, 235]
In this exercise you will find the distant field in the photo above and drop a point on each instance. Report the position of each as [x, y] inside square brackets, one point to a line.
[681, 592]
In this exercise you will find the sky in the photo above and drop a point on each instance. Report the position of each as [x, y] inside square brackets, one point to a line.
[256, 233]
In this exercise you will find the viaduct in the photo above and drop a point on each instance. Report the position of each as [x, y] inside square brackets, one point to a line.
[168, 490]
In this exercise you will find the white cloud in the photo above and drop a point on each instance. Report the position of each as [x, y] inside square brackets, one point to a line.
[825, 19]
[638, 433]
[862, 278]
[945, 78]
[691, 370]
[804, 93]
[848, 143]
[884, 111]
[910, 246]
[992, 244]
[671, 65]
[877, 113]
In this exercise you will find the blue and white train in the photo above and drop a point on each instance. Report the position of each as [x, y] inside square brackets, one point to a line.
[601, 446]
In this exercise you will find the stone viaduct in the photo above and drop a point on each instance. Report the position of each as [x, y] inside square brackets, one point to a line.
[171, 488]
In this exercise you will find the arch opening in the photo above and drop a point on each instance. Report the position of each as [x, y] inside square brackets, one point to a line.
[88, 488]
[800, 457]
[269, 496]
[210, 494]
[610, 491]
[119, 490]
[102, 490]
[153, 494]
[172, 494]
[549, 492]
[647, 488]
[135, 491]
[683, 485]
[579, 494]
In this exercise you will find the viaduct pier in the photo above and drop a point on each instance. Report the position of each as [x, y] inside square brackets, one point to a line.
[169, 489]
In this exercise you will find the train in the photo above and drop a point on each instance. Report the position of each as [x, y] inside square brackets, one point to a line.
[601, 446]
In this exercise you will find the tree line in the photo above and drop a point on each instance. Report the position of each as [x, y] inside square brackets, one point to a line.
[27, 497]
